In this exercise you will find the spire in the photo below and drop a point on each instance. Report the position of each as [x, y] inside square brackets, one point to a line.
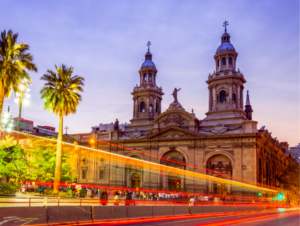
[248, 108]
[248, 99]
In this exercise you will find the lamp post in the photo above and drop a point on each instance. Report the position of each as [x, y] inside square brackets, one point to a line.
[7, 122]
[23, 92]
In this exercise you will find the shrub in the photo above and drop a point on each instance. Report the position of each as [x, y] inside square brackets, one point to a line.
[8, 189]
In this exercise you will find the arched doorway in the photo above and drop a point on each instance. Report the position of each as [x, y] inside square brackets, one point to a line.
[135, 181]
[134, 174]
[220, 164]
[220, 188]
[172, 181]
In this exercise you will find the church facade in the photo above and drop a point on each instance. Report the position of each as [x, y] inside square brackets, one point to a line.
[226, 141]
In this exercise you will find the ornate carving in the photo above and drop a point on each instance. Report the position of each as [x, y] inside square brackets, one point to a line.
[176, 120]
[175, 106]
[219, 129]
[191, 147]
[172, 148]
[135, 134]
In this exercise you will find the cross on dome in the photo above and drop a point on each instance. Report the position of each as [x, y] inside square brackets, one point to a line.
[148, 44]
[225, 24]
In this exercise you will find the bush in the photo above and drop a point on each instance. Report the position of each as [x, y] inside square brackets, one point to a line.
[62, 194]
[8, 189]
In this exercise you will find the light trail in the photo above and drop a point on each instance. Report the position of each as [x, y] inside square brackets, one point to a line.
[158, 167]
[196, 167]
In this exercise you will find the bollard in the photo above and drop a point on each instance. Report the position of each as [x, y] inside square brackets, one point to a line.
[29, 201]
[58, 202]
[80, 201]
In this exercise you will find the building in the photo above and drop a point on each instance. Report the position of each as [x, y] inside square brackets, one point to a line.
[25, 125]
[45, 130]
[108, 127]
[226, 140]
[296, 152]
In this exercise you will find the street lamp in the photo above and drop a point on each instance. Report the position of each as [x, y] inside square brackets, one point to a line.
[7, 122]
[22, 97]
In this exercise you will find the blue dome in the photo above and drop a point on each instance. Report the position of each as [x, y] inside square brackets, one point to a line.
[148, 63]
[225, 45]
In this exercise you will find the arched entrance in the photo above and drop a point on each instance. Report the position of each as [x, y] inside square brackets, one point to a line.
[134, 174]
[172, 181]
[220, 188]
[220, 164]
[136, 180]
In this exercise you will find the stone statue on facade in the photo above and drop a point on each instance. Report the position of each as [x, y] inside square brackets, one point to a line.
[175, 94]
[116, 125]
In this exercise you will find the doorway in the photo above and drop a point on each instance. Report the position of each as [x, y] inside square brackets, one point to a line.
[135, 181]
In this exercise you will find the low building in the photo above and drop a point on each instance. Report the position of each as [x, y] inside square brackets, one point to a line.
[25, 125]
[295, 151]
[45, 130]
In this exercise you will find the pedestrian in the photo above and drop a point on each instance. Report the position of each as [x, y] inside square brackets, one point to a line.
[128, 198]
[78, 192]
[103, 197]
[41, 190]
[192, 200]
[116, 198]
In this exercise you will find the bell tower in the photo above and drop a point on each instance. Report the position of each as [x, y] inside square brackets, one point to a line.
[226, 85]
[147, 96]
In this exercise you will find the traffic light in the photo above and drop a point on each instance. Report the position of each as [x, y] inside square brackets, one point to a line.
[7, 122]
[259, 193]
[280, 196]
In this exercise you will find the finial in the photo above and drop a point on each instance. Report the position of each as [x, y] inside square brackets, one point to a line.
[192, 110]
[225, 24]
[247, 98]
[148, 44]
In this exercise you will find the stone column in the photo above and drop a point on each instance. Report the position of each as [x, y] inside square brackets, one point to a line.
[230, 95]
[242, 97]
[214, 99]
[238, 96]
[148, 104]
[209, 99]
[227, 61]
[136, 107]
[134, 113]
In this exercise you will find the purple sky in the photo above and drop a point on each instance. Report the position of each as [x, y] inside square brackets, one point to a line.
[105, 42]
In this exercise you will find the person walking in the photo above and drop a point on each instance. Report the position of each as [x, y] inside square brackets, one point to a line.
[117, 198]
[41, 190]
[103, 197]
[128, 198]
[78, 192]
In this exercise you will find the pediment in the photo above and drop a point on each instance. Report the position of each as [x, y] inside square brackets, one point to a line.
[178, 118]
[174, 132]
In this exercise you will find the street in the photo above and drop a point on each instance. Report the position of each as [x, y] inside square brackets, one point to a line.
[269, 218]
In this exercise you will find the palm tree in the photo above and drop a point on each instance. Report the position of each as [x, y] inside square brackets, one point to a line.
[61, 94]
[14, 61]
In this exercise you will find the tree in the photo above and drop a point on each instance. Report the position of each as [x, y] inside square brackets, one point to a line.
[7, 166]
[14, 61]
[41, 156]
[61, 95]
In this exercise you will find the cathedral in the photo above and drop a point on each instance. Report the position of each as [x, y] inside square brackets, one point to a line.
[226, 141]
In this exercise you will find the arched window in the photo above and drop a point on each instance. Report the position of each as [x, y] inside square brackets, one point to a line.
[267, 174]
[150, 76]
[145, 77]
[156, 107]
[223, 96]
[230, 61]
[223, 61]
[150, 107]
[142, 106]
[233, 98]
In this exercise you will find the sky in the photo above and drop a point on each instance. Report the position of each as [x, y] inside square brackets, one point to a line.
[105, 42]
